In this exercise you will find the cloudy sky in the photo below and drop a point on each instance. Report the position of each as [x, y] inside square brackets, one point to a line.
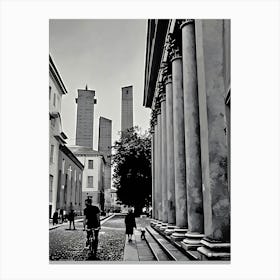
[106, 55]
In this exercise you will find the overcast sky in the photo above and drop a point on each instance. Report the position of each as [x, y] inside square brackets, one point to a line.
[106, 55]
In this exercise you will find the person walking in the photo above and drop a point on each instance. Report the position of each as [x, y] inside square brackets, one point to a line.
[71, 216]
[55, 217]
[130, 224]
[61, 215]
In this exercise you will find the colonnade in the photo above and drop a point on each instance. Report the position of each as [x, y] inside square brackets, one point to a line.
[189, 146]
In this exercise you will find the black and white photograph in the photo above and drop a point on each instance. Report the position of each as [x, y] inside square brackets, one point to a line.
[139, 140]
[124, 155]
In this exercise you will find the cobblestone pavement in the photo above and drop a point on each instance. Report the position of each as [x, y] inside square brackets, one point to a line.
[69, 245]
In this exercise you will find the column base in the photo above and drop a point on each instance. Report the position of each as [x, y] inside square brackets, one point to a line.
[163, 227]
[158, 225]
[212, 250]
[169, 229]
[178, 234]
[153, 222]
[192, 241]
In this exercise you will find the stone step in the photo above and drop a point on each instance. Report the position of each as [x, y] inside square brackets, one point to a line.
[155, 248]
[191, 255]
[144, 252]
[167, 247]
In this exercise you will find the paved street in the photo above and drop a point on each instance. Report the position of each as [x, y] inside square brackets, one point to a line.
[69, 245]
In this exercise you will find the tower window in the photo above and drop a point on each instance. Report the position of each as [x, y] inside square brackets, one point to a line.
[90, 164]
[90, 182]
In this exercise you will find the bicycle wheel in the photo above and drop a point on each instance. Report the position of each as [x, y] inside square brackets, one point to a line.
[91, 246]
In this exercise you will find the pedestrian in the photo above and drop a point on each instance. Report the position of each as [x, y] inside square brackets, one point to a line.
[130, 224]
[61, 215]
[71, 216]
[64, 215]
[55, 217]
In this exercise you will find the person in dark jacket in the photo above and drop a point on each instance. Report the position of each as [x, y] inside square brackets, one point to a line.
[130, 224]
[55, 218]
[61, 215]
[71, 216]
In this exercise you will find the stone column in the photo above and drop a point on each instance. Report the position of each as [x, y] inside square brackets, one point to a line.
[153, 163]
[170, 157]
[210, 63]
[159, 171]
[163, 158]
[179, 147]
[155, 199]
[192, 139]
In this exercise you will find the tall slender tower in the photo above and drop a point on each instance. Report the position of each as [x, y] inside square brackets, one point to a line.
[127, 108]
[85, 117]
[104, 147]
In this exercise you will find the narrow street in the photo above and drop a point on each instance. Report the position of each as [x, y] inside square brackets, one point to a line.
[69, 245]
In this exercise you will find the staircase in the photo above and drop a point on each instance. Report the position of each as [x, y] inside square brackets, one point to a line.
[163, 249]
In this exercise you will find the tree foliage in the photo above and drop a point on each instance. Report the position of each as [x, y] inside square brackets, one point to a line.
[132, 169]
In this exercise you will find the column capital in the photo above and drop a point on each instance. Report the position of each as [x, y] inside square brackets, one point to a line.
[161, 91]
[186, 22]
[168, 46]
[168, 79]
[153, 120]
[157, 106]
[175, 50]
[175, 39]
[164, 71]
[163, 97]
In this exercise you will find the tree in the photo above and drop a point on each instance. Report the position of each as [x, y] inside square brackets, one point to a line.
[132, 169]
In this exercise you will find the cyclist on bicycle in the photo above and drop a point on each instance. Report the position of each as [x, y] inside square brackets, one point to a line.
[92, 222]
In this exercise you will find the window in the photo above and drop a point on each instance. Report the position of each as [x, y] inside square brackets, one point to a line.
[69, 171]
[52, 122]
[90, 182]
[51, 154]
[50, 92]
[54, 99]
[63, 166]
[90, 164]
[76, 188]
[50, 187]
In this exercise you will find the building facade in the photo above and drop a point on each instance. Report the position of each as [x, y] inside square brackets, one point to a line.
[187, 87]
[93, 182]
[127, 108]
[105, 148]
[70, 176]
[56, 136]
[65, 170]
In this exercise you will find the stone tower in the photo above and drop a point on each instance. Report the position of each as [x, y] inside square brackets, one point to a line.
[85, 117]
[127, 108]
[104, 147]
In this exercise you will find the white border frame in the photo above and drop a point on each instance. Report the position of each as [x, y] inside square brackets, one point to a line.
[24, 138]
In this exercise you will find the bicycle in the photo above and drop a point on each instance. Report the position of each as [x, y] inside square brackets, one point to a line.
[92, 240]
